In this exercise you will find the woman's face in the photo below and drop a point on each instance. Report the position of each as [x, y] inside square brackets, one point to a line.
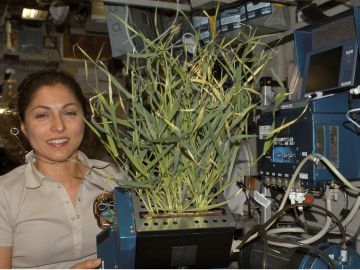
[53, 123]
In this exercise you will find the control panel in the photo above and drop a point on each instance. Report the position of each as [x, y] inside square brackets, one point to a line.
[323, 129]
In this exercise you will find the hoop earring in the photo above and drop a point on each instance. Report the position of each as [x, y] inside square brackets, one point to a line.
[14, 131]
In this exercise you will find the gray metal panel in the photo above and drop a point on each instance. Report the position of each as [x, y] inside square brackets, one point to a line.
[225, 219]
[334, 32]
[118, 34]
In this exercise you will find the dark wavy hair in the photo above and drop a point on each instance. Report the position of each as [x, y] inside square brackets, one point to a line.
[33, 82]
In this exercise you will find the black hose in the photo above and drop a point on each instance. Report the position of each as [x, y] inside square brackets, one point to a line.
[356, 235]
[264, 238]
[283, 211]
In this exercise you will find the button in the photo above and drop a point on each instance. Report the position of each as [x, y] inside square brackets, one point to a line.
[116, 27]
[309, 199]
[73, 218]
[78, 216]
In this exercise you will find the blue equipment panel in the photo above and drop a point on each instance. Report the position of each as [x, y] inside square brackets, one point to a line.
[116, 245]
[322, 129]
[134, 241]
[305, 37]
[332, 67]
[312, 260]
[329, 62]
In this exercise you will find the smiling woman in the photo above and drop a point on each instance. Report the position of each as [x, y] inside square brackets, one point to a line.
[50, 198]
[54, 124]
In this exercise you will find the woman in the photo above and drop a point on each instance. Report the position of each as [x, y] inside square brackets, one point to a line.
[46, 217]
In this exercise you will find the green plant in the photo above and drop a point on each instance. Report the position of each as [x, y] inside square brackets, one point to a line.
[181, 136]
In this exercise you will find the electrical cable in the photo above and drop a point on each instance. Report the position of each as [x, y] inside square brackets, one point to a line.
[249, 235]
[274, 194]
[352, 213]
[337, 173]
[346, 206]
[353, 111]
[324, 229]
[296, 214]
[293, 178]
[248, 203]
[249, 200]
[286, 230]
[265, 241]
[255, 231]
[356, 235]
[346, 199]
[347, 219]
[353, 118]
[303, 221]
[315, 157]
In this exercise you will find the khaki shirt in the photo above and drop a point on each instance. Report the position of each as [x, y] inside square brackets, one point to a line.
[39, 221]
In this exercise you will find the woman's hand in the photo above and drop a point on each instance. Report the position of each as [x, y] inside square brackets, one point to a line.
[88, 264]
[5, 257]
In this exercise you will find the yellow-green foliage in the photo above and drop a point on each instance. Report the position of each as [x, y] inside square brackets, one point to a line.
[185, 122]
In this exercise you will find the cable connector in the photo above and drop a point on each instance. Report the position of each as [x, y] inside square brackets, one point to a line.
[292, 197]
[315, 159]
[343, 255]
[297, 197]
[333, 194]
[309, 199]
[355, 91]
[300, 198]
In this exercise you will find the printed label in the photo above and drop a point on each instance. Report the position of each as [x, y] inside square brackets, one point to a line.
[260, 199]
[264, 131]
[286, 106]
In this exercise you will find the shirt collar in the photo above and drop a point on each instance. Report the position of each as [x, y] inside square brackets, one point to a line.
[34, 178]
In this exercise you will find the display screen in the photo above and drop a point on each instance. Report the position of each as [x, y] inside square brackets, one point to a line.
[324, 69]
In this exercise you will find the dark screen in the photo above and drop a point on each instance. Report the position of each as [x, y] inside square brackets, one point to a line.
[324, 68]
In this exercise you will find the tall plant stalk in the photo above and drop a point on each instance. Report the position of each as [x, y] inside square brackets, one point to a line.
[189, 112]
